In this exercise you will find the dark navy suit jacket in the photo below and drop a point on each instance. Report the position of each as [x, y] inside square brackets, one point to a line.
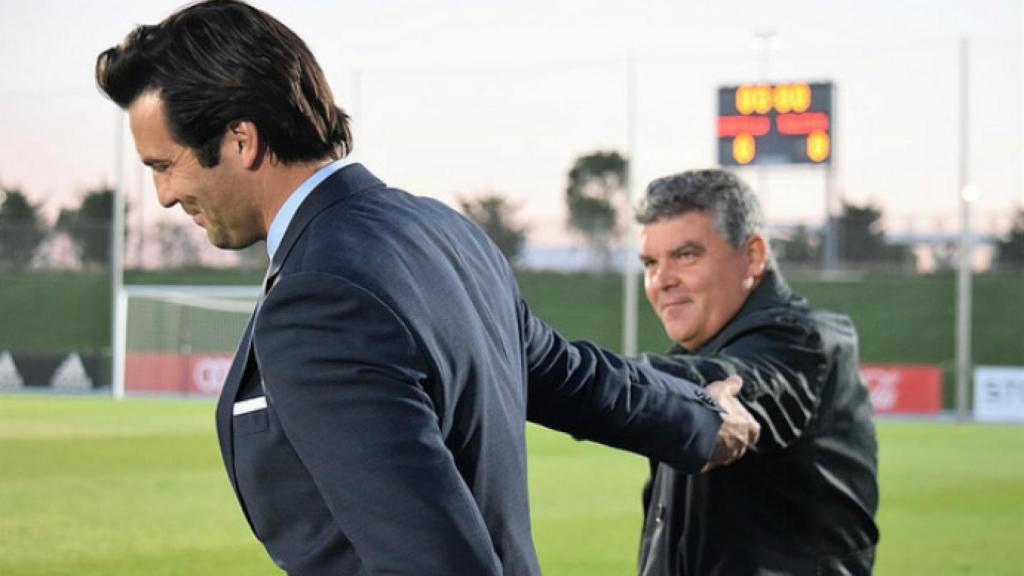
[398, 364]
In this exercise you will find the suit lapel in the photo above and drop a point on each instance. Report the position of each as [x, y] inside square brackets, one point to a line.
[228, 395]
[351, 179]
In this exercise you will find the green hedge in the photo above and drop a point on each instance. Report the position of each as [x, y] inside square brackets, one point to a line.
[907, 319]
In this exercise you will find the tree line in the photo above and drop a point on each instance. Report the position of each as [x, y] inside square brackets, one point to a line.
[24, 230]
[597, 202]
[82, 233]
[595, 197]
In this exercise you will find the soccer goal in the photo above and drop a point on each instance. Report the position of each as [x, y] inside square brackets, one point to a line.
[178, 340]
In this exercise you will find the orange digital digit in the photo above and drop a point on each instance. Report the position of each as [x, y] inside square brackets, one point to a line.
[744, 148]
[800, 98]
[745, 99]
[763, 100]
[783, 98]
[818, 146]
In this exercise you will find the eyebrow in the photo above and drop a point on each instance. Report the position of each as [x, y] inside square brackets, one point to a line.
[689, 245]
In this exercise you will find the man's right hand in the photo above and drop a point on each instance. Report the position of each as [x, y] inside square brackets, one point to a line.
[739, 429]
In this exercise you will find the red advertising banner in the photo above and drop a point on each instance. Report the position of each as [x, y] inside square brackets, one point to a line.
[895, 388]
[904, 388]
[159, 372]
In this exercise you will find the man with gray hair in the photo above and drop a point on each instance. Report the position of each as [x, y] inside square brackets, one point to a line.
[802, 501]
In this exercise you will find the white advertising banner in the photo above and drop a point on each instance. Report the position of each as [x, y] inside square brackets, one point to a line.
[999, 393]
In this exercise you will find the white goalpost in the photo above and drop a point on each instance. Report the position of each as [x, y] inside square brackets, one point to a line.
[178, 340]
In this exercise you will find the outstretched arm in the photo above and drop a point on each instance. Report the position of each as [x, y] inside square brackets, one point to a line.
[593, 394]
[782, 365]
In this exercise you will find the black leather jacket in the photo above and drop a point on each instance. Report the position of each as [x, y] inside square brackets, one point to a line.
[804, 500]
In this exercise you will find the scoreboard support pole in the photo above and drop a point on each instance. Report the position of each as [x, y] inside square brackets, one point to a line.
[830, 250]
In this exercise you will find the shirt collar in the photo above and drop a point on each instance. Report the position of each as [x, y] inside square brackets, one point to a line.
[284, 216]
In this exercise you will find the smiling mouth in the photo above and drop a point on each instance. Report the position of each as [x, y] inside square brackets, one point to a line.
[678, 304]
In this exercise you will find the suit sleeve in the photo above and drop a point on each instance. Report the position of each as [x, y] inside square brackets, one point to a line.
[782, 363]
[345, 375]
[593, 394]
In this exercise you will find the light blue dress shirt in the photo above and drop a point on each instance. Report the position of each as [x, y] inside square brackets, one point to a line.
[284, 216]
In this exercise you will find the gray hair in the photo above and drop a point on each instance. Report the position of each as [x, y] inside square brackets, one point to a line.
[737, 211]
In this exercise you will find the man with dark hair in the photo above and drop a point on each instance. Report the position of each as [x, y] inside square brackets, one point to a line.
[373, 419]
[802, 500]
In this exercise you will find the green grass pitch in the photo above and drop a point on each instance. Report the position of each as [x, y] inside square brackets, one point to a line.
[90, 486]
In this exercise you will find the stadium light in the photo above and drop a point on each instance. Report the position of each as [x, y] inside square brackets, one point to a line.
[970, 193]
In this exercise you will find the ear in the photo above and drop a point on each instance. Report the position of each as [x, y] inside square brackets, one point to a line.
[755, 249]
[243, 140]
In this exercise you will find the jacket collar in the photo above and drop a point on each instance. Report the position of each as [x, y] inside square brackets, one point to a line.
[350, 180]
[772, 291]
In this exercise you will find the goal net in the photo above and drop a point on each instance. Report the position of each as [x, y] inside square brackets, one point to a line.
[178, 339]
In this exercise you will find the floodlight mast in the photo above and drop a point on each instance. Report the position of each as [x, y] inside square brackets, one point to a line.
[630, 299]
[967, 193]
[765, 41]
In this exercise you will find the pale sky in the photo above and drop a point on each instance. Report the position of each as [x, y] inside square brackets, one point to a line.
[456, 98]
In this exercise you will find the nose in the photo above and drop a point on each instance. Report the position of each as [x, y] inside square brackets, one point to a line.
[662, 278]
[164, 193]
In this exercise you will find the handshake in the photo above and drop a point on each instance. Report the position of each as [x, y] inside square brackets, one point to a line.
[739, 430]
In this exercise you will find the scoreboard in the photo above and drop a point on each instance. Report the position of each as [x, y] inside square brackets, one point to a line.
[775, 124]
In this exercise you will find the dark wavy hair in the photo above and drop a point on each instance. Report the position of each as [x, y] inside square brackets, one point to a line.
[220, 61]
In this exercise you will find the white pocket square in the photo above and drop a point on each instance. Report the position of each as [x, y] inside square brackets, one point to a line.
[250, 405]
